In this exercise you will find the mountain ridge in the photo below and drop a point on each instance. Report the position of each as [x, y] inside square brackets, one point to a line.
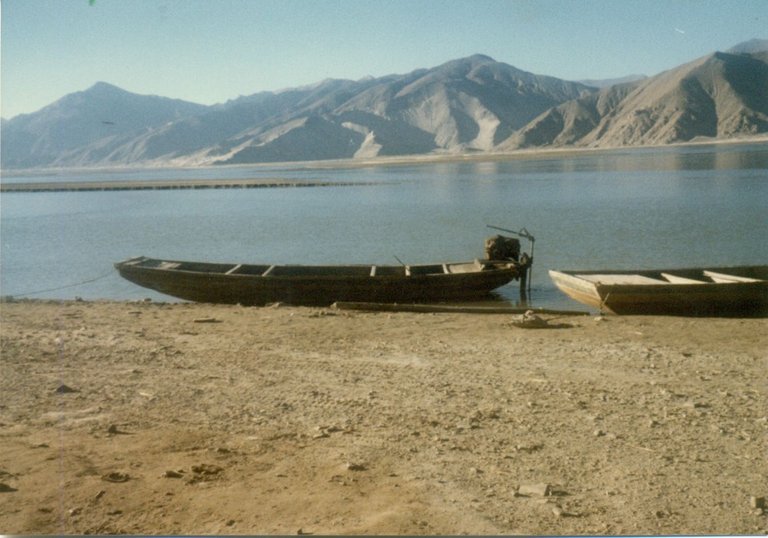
[473, 104]
[722, 95]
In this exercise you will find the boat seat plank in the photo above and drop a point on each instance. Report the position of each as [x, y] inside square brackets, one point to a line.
[621, 279]
[235, 268]
[674, 279]
[373, 270]
[723, 278]
[168, 265]
[445, 269]
[271, 268]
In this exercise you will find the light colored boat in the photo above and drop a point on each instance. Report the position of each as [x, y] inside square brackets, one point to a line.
[247, 284]
[720, 291]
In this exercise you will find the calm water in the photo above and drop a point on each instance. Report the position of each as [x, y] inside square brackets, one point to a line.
[640, 208]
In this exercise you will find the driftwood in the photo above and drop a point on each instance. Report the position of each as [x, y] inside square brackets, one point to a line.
[448, 309]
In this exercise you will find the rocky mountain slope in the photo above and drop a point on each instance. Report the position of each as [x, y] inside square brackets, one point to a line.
[470, 104]
[84, 128]
[719, 96]
[473, 104]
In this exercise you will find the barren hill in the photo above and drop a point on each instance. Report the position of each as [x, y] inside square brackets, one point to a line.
[472, 104]
[719, 96]
[467, 104]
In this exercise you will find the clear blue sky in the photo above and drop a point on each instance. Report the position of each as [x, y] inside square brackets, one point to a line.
[209, 51]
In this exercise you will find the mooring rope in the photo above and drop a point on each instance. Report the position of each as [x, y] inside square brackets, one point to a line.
[88, 281]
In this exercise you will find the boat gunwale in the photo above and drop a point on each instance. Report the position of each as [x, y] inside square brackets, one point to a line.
[576, 274]
[484, 267]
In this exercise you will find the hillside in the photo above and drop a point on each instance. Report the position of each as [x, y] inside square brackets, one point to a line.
[472, 104]
[85, 127]
[719, 96]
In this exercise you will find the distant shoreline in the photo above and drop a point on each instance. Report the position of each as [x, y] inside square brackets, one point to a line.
[397, 160]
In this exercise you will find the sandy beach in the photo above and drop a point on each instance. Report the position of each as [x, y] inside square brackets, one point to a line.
[148, 418]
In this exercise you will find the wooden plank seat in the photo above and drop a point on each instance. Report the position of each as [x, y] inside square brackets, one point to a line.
[628, 280]
[722, 278]
[674, 279]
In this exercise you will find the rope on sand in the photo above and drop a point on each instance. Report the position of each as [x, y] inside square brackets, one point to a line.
[37, 292]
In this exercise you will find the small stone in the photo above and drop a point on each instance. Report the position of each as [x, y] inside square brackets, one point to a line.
[116, 477]
[538, 490]
[100, 494]
[75, 511]
[230, 522]
[172, 474]
[206, 469]
[529, 448]
[558, 511]
[598, 433]
[64, 389]
[355, 467]
[5, 488]
[757, 502]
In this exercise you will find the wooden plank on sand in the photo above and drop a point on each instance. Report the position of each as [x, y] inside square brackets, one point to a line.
[448, 309]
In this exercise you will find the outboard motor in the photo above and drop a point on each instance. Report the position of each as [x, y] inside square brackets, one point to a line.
[500, 247]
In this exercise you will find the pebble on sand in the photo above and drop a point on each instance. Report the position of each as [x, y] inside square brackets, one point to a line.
[116, 476]
[538, 490]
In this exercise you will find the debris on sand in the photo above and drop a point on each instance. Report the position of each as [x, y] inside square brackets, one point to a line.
[116, 476]
[530, 320]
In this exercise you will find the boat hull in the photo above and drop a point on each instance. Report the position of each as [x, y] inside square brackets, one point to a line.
[650, 293]
[316, 286]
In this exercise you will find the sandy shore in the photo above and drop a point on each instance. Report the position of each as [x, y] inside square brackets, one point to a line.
[185, 418]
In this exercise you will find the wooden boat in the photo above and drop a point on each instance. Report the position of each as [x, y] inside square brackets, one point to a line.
[245, 284]
[724, 291]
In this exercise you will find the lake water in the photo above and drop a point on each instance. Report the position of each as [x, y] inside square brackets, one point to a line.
[638, 208]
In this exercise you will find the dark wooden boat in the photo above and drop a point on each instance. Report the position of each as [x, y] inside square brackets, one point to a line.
[720, 291]
[246, 284]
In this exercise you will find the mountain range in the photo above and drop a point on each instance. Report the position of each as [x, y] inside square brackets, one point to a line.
[469, 105]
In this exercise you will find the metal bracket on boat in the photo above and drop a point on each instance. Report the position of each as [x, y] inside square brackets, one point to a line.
[523, 232]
